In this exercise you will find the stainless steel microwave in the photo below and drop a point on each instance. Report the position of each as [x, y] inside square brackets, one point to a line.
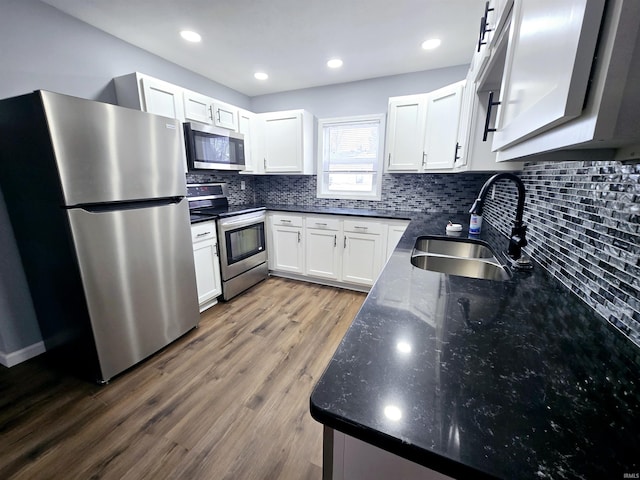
[213, 148]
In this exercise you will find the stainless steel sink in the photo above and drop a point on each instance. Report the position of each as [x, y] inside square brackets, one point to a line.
[453, 248]
[466, 258]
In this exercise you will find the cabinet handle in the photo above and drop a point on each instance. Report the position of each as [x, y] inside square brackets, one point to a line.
[361, 228]
[483, 26]
[284, 220]
[487, 121]
[265, 163]
[218, 114]
[215, 249]
[211, 112]
[321, 224]
[455, 152]
[424, 159]
[298, 237]
[202, 234]
[335, 240]
[345, 242]
[389, 161]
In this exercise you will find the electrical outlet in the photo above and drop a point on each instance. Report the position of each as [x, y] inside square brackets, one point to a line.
[242, 185]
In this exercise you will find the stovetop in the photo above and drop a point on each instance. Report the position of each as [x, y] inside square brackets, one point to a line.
[208, 201]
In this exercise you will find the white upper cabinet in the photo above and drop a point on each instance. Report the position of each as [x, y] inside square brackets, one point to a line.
[225, 115]
[248, 126]
[443, 115]
[203, 109]
[549, 56]
[555, 101]
[162, 98]
[405, 133]
[287, 142]
[197, 107]
[422, 130]
[149, 94]
[473, 153]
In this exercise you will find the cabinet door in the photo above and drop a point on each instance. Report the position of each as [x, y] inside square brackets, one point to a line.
[362, 257]
[247, 127]
[208, 280]
[394, 233]
[287, 249]
[225, 116]
[197, 108]
[162, 98]
[405, 133]
[283, 142]
[323, 253]
[443, 114]
[549, 56]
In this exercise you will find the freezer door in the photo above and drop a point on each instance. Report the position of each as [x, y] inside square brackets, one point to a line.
[107, 153]
[138, 277]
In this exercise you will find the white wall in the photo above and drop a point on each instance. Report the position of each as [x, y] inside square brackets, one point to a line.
[358, 98]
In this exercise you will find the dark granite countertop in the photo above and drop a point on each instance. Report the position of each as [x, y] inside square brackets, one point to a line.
[532, 384]
[237, 209]
[392, 214]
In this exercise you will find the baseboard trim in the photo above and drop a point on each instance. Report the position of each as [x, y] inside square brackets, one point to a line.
[14, 358]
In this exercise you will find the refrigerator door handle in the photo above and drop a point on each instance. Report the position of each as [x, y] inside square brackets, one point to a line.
[133, 205]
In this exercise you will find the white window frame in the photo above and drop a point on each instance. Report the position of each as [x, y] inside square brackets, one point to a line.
[322, 191]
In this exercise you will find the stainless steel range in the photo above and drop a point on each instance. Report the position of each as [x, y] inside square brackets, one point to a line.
[241, 236]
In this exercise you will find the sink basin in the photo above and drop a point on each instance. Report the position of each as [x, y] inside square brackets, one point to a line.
[465, 267]
[453, 248]
[462, 257]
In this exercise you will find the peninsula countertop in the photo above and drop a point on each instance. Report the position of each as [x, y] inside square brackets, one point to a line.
[528, 383]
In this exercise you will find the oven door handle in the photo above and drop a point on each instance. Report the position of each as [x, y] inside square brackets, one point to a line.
[245, 220]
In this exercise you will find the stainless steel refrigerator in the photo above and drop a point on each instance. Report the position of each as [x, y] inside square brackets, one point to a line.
[96, 195]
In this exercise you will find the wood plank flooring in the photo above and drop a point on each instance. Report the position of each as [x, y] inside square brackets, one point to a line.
[229, 400]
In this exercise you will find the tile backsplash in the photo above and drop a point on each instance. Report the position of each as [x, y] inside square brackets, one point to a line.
[450, 193]
[584, 228]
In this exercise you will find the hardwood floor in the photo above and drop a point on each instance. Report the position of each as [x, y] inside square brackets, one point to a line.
[229, 400]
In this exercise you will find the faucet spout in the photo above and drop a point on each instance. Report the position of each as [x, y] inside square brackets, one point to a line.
[518, 238]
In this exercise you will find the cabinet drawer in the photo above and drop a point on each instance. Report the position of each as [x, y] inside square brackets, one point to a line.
[323, 223]
[203, 231]
[286, 220]
[363, 226]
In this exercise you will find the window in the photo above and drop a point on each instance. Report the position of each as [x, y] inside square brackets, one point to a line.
[349, 157]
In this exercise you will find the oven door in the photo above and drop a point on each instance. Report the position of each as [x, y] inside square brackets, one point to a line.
[242, 243]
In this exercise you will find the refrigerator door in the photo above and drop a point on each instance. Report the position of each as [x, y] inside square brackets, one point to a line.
[138, 277]
[106, 153]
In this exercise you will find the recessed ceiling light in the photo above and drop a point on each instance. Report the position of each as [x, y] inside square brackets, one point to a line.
[431, 44]
[190, 36]
[260, 76]
[334, 63]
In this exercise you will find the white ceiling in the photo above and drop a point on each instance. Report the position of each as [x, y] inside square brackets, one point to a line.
[291, 40]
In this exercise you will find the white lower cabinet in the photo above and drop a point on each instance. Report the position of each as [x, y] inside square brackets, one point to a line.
[205, 255]
[364, 251]
[353, 459]
[323, 250]
[286, 252]
[349, 251]
[395, 230]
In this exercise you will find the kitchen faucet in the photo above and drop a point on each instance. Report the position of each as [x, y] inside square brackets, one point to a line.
[518, 237]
